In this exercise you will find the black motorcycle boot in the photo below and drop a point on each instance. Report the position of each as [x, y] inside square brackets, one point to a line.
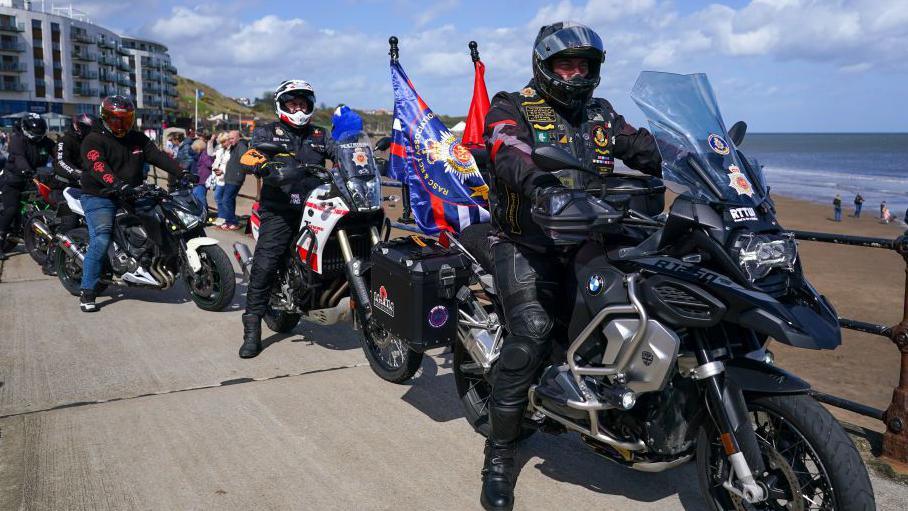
[252, 336]
[499, 472]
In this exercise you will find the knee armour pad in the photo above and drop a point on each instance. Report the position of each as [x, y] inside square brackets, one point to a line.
[521, 353]
[530, 320]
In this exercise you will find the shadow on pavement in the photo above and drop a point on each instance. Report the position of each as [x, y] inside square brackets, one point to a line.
[563, 457]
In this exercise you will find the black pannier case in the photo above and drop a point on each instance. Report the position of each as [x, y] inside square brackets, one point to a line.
[413, 287]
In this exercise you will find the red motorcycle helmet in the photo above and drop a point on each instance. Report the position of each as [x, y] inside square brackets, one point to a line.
[118, 115]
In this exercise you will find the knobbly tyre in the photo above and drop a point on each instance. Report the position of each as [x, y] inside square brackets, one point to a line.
[157, 239]
[665, 358]
[323, 279]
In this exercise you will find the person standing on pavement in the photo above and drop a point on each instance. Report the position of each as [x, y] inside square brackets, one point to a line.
[112, 158]
[219, 169]
[837, 208]
[234, 176]
[202, 171]
[281, 204]
[29, 148]
[858, 203]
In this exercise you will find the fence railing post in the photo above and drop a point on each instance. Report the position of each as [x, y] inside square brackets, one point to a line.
[895, 440]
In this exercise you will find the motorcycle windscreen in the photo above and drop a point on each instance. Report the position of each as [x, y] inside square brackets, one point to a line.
[697, 152]
[356, 163]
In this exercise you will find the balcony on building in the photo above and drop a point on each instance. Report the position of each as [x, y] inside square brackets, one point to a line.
[41, 84]
[12, 86]
[124, 80]
[84, 90]
[122, 50]
[107, 43]
[39, 63]
[81, 36]
[169, 103]
[9, 45]
[123, 65]
[55, 46]
[170, 80]
[12, 67]
[170, 91]
[171, 68]
[84, 72]
[10, 25]
[84, 55]
[151, 75]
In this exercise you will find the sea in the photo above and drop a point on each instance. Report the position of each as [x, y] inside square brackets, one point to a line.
[817, 166]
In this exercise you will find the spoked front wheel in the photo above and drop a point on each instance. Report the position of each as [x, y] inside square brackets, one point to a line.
[390, 357]
[811, 462]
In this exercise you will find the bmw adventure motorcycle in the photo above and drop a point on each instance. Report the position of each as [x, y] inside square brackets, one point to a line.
[665, 356]
[158, 238]
[340, 223]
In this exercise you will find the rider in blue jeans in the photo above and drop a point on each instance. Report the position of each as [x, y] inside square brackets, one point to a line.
[112, 159]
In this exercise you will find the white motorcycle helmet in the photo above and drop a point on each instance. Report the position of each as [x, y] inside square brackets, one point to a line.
[294, 89]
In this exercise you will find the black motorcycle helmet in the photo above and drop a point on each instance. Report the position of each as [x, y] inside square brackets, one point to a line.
[81, 124]
[567, 39]
[33, 126]
[117, 115]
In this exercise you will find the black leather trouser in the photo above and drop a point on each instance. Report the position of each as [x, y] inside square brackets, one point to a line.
[529, 284]
[275, 234]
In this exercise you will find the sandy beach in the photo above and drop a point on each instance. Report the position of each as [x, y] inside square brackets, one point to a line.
[864, 284]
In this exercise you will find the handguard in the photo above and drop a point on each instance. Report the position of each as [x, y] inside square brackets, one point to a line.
[569, 216]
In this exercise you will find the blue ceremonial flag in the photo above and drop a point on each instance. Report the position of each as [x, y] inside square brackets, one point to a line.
[447, 192]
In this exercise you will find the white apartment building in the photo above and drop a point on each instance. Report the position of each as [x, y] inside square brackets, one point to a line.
[55, 60]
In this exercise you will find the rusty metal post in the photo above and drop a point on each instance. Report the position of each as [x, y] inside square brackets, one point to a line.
[895, 440]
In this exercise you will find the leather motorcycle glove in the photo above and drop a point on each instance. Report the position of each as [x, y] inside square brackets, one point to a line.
[124, 191]
[268, 168]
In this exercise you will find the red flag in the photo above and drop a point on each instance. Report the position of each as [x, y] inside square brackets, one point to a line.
[479, 107]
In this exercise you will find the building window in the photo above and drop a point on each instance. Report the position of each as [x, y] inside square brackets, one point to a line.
[58, 93]
[55, 27]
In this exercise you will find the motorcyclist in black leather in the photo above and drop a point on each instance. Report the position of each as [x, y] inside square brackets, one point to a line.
[29, 148]
[67, 174]
[285, 189]
[555, 108]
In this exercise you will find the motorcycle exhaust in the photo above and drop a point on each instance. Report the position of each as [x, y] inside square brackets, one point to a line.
[41, 229]
[244, 257]
[67, 244]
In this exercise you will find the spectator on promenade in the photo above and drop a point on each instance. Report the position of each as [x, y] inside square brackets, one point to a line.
[184, 155]
[202, 171]
[234, 175]
[858, 203]
[218, 168]
[837, 208]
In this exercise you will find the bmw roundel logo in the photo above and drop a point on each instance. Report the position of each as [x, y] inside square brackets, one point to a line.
[594, 286]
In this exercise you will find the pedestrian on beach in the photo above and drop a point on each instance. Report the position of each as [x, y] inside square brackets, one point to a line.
[858, 202]
[885, 216]
[882, 207]
[837, 207]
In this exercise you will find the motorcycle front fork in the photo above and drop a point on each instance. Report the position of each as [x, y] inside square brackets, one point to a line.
[728, 410]
[354, 267]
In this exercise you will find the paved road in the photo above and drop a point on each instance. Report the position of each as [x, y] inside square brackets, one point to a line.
[145, 405]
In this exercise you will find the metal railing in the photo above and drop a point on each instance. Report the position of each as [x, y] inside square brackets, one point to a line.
[895, 417]
[12, 67]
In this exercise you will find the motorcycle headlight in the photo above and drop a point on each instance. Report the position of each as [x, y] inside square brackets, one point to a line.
[366, 193]
[187, 219]
[760, 254]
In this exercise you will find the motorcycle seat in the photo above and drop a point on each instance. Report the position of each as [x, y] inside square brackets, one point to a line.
[72, 196]
[475, 238]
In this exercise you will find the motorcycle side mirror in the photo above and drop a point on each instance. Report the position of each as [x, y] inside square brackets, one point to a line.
[552, 158]
[737, 131]
[383, 144]
[268, 148]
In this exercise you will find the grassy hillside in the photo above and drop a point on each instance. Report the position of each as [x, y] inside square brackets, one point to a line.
[213, 102]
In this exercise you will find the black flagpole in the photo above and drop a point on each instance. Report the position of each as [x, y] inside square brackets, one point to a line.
[406, 216]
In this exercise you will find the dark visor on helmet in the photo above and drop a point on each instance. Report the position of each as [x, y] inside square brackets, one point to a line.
[568, 38]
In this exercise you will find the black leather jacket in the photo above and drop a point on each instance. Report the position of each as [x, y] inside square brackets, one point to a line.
[308, 145]
[519, 121]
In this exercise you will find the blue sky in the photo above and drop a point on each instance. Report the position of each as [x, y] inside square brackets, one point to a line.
[780, 65]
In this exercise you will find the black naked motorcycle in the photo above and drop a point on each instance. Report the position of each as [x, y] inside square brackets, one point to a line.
[158, 238]
[665, 356]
